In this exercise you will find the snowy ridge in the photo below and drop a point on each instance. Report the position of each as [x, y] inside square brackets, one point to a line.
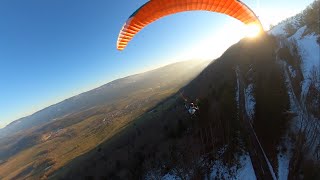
[279, 30]
[308, 51]
[304, 121]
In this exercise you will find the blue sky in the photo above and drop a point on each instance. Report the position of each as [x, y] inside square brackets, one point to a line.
[53, 49]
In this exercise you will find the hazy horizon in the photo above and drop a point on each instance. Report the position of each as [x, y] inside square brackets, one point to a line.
[143, 70]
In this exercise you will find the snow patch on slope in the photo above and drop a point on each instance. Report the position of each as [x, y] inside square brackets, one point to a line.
[151, 175]
[170, 177]
[219, 170]
[295, 105]
[309, 51]
[249, 101]
[292, 71]
[237, 91]
[278, 30]
[245, 171]
[284, 157]
[283, 169]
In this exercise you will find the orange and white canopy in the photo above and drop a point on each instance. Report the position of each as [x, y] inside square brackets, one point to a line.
[156, 9]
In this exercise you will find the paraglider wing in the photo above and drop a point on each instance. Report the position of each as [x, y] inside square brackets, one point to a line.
[156, 9]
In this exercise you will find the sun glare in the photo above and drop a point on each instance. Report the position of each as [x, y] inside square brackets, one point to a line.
[215, 42]
[252, 30]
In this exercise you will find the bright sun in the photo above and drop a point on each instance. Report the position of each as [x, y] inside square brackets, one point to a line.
[252, 30]
[214, 44]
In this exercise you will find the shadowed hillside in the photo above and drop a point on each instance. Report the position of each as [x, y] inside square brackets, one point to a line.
[168, 139]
